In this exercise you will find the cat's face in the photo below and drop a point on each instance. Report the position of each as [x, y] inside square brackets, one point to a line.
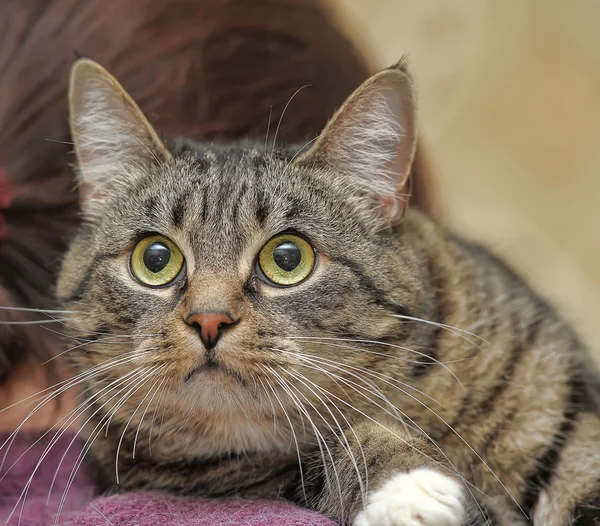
[238, 283]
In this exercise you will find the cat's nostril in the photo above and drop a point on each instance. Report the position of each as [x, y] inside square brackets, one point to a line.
[210, 326]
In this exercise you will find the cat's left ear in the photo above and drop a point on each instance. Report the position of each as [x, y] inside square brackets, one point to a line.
[110, 133]
[372, 139]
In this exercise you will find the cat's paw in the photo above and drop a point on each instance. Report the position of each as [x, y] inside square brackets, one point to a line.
[423, 497]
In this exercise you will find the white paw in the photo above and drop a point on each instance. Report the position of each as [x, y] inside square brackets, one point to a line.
[423, 497]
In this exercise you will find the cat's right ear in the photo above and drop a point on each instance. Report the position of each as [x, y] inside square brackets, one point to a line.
[110, 133]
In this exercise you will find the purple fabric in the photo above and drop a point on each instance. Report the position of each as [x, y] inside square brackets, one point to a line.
[132, 509]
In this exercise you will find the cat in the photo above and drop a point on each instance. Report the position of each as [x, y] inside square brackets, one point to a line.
[279, 323]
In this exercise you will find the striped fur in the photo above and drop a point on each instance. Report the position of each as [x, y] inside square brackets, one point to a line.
[409, 357]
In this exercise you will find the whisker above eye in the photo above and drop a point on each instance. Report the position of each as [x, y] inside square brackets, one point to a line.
[124, 130]
[268, 126]
[283, 113]
[298, 153]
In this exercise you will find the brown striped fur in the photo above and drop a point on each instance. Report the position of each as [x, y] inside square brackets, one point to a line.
[408, 352]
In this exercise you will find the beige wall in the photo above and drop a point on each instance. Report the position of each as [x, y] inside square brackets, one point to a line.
[509, 96]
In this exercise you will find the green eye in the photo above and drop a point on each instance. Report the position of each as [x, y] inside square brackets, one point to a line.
[286, 259]
[156, 261]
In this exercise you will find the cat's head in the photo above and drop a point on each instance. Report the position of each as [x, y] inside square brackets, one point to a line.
[234, 282]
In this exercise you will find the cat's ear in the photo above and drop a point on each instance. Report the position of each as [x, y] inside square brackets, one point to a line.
[372, 138]
[109, 131]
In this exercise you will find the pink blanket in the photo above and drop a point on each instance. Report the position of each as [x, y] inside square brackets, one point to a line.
[132, 509]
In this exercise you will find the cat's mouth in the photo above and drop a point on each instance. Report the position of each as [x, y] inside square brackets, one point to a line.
[208, 367]
[212, 369]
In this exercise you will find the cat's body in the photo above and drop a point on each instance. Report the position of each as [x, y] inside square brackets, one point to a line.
[408, 378]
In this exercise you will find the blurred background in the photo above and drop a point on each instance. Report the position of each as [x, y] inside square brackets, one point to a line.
[509, 100]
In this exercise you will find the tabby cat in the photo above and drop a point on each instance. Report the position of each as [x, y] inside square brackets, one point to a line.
[277, 322]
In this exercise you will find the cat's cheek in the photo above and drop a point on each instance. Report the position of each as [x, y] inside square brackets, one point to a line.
[423, 497]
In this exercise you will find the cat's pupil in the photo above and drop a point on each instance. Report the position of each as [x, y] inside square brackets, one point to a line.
[287, 256]
[156, 257]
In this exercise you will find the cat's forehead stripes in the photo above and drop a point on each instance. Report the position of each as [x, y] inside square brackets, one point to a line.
[223, 193]
[217, 200]
[220, 197]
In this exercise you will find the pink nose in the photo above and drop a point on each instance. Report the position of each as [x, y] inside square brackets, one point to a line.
[210, 325]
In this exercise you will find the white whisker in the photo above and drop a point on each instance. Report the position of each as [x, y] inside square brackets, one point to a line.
[283, 112]
[139, 383]
[41, 311]
[345, 444]
[78, 379]
[455, 330]
[425, 406]
[268, 126]
[23, 496]
[32, 322]
[288, 388]
[144, 414]
[155, 370]
[295, 438]
[325, 341]
[158, 403]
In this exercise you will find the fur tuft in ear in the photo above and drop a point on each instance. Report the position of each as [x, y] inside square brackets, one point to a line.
[372, 138]
[110, 133]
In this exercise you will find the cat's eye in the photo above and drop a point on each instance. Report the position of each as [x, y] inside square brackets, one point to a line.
[156, 261]
[287, 259]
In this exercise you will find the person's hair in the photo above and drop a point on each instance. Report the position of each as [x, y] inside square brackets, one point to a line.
[215, 70]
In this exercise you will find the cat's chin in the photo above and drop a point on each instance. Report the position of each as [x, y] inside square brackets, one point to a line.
[222, 415]
[213, 390]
